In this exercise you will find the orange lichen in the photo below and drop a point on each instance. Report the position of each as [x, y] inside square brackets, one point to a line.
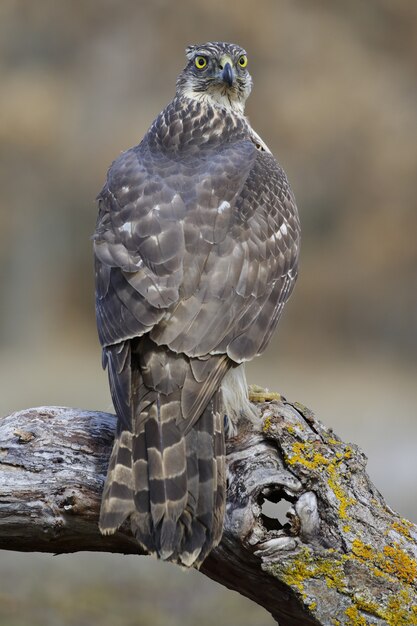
[402, 527]
[399, 563]
[392, 560]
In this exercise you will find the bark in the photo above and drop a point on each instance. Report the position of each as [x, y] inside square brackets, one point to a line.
[340, 557]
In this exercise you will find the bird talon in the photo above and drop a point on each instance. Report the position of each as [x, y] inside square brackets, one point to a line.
[259, 394]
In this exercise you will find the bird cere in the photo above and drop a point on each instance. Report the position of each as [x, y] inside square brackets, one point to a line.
[196, 250]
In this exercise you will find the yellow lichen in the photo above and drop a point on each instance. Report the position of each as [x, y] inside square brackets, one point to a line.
[308, 455]
[366, 605]
[402, 527]
[392, 560]
[362, 550]
[308, 565]
[400, 611]
[399, 563]
[336, 487]
[333, 441]
[267, 424]
[355, 619]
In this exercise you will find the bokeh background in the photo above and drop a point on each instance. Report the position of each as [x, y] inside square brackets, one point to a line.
[335, 98]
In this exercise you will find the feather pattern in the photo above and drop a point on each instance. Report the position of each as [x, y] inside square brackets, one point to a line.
[196, 250]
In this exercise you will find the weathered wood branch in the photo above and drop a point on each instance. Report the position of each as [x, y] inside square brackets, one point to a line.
[343, 557]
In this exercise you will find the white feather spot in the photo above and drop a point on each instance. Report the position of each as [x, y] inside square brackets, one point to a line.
[126, 227]
[283, 229]
[125, 188]
[224, 205]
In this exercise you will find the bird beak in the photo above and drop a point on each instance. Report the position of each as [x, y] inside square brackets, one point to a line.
[227, 75]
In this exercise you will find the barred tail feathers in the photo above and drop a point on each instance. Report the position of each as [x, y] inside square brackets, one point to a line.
[207, 482]
[169, 479]
[117, 501]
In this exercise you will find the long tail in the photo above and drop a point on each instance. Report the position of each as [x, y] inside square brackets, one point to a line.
[167, 470]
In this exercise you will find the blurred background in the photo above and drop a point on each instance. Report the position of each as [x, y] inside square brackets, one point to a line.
[335, 98]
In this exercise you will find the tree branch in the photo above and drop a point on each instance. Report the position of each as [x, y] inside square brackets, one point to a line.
[343, 557]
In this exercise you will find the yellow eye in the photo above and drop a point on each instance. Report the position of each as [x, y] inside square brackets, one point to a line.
[243, 60]
[200, 62]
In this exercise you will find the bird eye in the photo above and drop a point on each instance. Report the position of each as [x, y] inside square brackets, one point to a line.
[243, 60]
[200, 62]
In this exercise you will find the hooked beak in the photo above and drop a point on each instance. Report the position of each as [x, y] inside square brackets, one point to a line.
[227, 75]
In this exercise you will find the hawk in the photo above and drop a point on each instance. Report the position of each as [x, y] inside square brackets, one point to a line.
[196, 250]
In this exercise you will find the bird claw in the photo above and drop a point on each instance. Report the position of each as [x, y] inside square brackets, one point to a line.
[259, 394]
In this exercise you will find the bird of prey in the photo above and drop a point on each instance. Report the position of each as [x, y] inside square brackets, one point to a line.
[196, 251]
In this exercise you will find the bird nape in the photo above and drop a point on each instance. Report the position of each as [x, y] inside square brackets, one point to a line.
[196, 250]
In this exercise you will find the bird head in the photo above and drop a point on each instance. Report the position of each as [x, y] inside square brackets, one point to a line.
[217, 73]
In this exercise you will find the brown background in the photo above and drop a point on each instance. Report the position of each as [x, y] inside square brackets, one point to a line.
[335, 98]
